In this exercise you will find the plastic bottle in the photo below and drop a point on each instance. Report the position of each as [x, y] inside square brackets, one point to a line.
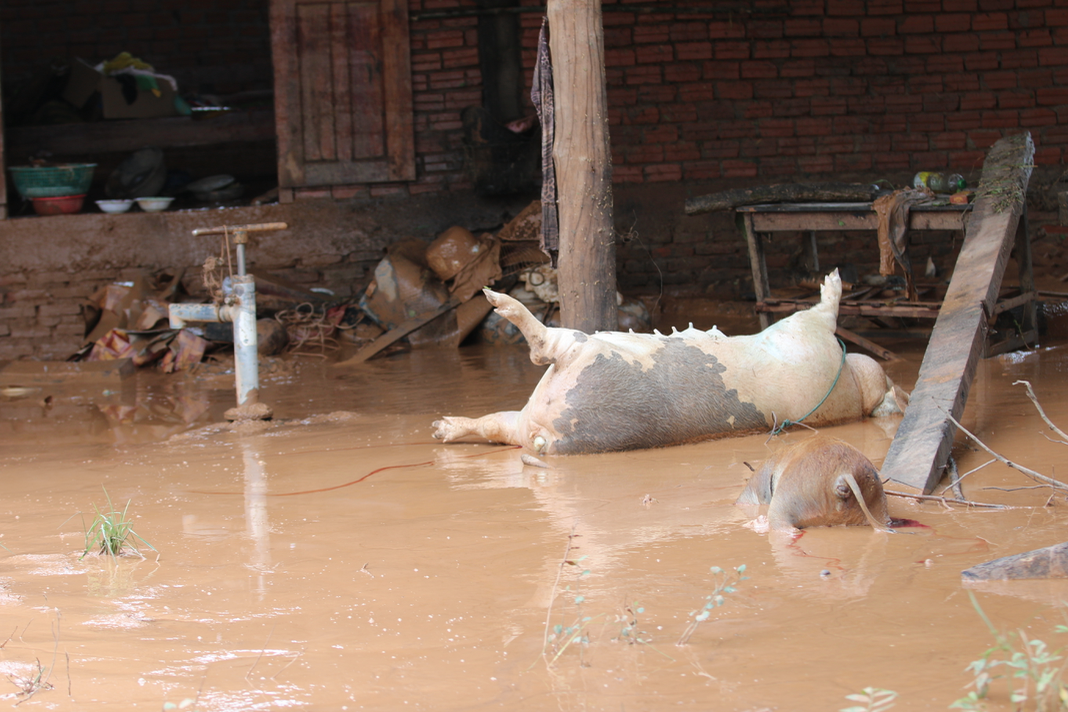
[939, 182]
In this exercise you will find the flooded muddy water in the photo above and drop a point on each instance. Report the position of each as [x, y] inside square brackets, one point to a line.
[338, 558]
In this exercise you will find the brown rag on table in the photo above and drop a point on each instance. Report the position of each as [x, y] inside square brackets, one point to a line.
[893, 213]
[541, 94]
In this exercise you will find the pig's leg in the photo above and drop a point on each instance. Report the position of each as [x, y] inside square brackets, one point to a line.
[547, 344]
[497, 427]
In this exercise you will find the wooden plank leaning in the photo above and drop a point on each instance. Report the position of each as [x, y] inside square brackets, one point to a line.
[921, 447]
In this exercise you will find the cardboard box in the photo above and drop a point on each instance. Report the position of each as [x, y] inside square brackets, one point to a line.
[84, 81]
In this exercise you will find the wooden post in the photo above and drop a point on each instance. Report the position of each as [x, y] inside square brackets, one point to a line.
[924, 439]
[583, 159]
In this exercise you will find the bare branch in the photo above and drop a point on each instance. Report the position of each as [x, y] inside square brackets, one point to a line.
[1036, 476]
[1038, 406]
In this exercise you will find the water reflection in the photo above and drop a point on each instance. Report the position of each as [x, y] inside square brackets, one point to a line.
[257, 524]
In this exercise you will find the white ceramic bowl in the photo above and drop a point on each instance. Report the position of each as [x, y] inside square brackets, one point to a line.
[114, 206]
[154, 205]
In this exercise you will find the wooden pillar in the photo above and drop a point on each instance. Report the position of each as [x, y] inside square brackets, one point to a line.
[583, 160]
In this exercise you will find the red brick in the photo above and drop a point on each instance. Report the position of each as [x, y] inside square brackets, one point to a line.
[663, 172]
[816, 47]
[828, 106]
[981, 62]
[644, 34]
[847, 8]
[682, 73]
[961, 82]
[888, 46]
[997, 41]
[816, 164]
[693, 50]
[776, 128]
[945, 64]
[963, 121]
[852, 162]
[1024, 59]
[731, 50]
[725, 30]
[1034, 38]
[643, 75]
[619, 57]
[682, 151]
[812, 87]
[737, 129]
[949, 140]
[812, 127]
[947, 23]
[931, 45]
[626, 174]
[1056, 17]
[774, 90]
[877, 27]
[802, 27]
[655, 54]
[1000, 119]
[721, 71]
[1033, 118]
[757, 110]
[758, 148]
[983, 140]
[1016, 100]
[682, 32]
[847, 47]
[765, 29]
[739, 169]
[1051, 96]
[978, 100]
[833, 26]
[771, 50]
[927, 123]
[759, 70]
[986, 22]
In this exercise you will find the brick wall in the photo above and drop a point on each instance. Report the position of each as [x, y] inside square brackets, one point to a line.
[787, 90]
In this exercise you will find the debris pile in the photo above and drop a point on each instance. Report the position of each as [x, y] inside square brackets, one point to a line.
[421, 295]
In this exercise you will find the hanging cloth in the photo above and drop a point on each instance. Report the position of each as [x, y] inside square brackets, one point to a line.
[541, 94]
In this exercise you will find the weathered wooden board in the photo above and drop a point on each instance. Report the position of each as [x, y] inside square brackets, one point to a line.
[343, 92]
[924, 439]
[783, 193]
[395, 334]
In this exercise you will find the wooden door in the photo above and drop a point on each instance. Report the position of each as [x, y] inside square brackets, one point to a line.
[343, 92]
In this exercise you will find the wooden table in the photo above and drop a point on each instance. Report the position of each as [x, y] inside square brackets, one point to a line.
[812, 218]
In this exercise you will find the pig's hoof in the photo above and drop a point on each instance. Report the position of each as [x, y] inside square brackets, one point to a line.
[447, 429]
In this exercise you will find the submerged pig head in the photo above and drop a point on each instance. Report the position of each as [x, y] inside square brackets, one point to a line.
[819, 482]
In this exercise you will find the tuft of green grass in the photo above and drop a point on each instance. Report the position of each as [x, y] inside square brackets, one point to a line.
[1034, 673]
[111, 532]
[725, 583]
[871, 699]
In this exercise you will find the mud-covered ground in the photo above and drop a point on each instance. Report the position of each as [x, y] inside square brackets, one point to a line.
[338, 558]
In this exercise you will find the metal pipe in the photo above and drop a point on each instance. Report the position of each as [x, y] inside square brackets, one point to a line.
[246, 340]
[180, 314]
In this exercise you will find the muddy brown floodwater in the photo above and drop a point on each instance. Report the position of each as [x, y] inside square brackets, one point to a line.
[341, 559]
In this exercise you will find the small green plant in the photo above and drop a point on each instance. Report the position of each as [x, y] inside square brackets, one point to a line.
[871, 699]
[725, 583]
[629, 631]
[1034, 673]
[111, 532]
[185, 704]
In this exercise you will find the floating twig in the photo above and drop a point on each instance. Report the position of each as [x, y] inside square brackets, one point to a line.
[1036, 476]
[953, 500]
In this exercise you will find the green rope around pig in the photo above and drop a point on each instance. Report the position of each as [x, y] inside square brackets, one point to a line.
[787, 423]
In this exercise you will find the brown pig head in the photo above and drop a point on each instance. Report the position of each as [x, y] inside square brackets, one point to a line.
[819, 482]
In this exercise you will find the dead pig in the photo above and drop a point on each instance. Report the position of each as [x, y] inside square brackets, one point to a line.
[620, 391]
[818, 482]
